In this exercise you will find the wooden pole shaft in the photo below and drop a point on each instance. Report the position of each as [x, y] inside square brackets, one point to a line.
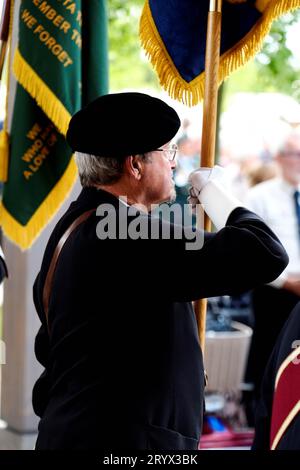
[208, 146]
[4, 28]
[211, 90]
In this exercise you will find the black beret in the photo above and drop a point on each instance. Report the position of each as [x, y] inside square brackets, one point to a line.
[122, 124]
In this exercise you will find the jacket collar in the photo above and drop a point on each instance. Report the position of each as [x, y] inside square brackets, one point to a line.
[93, 197]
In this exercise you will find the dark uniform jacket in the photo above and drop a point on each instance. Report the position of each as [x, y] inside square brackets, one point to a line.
[286, 343]
[123, 365]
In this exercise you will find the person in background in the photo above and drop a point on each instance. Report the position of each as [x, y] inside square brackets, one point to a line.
[277, 420]
[261, 173]
[277, 201]
[238, 168]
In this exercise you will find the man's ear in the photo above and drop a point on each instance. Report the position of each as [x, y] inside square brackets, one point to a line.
[134, 166]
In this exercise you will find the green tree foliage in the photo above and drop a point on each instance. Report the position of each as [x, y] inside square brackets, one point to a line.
[277, 68]
[274, 68]
[129, 67]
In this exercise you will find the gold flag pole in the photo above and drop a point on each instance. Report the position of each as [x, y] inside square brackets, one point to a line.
[212, 58]
[4, 137]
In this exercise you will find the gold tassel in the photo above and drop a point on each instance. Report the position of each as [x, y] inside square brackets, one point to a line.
[4, 155]
[261, 5]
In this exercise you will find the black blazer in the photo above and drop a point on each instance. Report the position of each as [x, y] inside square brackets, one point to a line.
[123, 365]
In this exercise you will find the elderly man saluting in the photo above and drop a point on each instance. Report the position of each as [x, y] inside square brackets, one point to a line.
[118, 341]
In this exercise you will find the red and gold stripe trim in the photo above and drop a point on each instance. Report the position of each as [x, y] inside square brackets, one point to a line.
[286, 401]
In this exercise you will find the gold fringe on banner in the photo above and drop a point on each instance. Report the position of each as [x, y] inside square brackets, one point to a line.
[42, 94]
[191, 93]
[4, 155]
[25, 235]
[169, 77]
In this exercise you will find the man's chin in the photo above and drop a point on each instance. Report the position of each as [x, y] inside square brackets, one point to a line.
[171, 197]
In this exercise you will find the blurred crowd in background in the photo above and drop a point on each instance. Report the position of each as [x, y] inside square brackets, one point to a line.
[259, 141]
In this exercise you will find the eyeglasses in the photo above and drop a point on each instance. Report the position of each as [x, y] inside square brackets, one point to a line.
[169, 152]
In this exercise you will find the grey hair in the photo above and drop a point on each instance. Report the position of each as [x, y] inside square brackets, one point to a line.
[100, 170]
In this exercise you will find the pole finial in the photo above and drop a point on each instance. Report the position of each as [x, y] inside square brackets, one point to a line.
[215, 5]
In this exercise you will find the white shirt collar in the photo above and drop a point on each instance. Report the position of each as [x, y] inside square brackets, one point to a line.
[288, 187]
[123, 202]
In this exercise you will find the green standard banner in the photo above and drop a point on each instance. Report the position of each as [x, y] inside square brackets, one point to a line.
[60, 65]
